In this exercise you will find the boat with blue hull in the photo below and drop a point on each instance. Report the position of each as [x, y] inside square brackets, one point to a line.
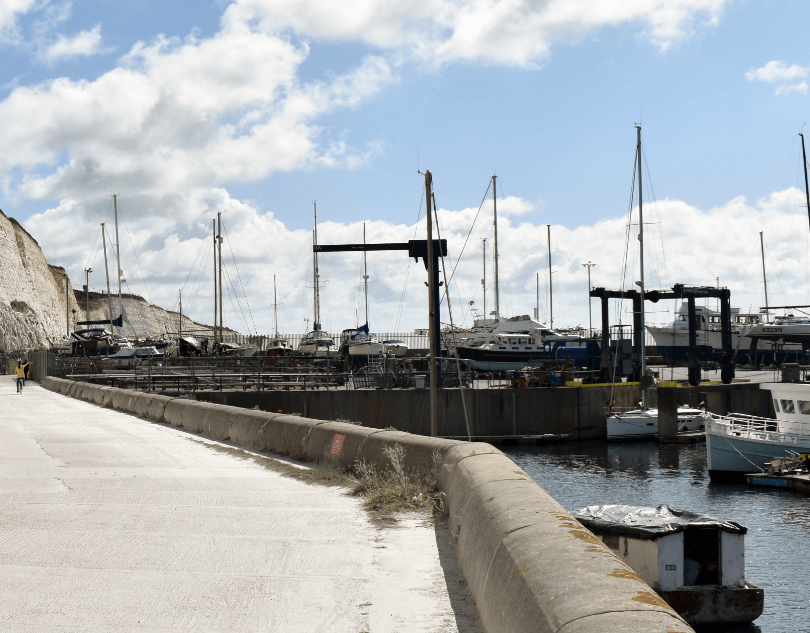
[738, 444]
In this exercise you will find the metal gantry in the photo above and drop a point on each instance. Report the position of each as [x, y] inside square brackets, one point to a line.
[679, 291]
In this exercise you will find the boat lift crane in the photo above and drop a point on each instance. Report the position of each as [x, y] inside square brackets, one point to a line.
[679, 291]
[427, 251]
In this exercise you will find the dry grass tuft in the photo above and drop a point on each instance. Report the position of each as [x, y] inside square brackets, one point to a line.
[345, 421]
[396, 490]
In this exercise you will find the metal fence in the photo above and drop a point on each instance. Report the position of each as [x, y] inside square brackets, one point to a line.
[413, 341]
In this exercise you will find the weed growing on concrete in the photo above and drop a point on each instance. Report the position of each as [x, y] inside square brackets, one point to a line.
[395, 489]
[345, 421]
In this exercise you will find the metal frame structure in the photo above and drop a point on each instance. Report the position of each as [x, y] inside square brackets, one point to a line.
[679, 291]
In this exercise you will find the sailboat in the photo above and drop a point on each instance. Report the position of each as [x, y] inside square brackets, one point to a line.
[278, 345]
[497, 343]
[316, 342]
[642, 422]
[360, 342]
[788, 332]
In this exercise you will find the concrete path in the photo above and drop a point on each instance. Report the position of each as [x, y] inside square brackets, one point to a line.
[111, 523]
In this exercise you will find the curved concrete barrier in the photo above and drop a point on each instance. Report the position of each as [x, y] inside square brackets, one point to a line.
[529, 564]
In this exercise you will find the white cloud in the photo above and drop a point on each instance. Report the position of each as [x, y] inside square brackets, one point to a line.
[514, 32]
[83, 44]
[777, 71]
[177, 115]
[787, 89]
[9, 10]
[174, 232]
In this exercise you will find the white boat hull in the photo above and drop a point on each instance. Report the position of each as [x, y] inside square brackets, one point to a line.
[639, 424]
[366, 348]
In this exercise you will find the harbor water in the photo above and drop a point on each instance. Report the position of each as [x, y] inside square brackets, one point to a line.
[648, 474]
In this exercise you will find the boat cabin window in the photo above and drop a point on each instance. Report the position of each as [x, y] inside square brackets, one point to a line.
[788, 407]
[804, 407]
[776, 405]
[701, 553]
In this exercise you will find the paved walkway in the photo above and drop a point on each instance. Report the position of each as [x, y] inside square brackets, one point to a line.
[111, 523]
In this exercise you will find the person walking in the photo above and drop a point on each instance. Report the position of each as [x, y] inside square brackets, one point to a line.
[27, 369]
[20, 371]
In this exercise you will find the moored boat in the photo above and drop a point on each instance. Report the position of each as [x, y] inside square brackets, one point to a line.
[738, 444]
[643, 423]
[696, 563]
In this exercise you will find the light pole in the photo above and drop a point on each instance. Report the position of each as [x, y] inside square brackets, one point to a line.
[87, 272]
[589, 265]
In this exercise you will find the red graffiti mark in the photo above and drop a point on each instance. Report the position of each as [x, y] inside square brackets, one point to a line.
[280, 410]
[337, 443]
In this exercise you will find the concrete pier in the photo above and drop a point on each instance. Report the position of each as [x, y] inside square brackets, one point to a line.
[529, 565]
[111, 523]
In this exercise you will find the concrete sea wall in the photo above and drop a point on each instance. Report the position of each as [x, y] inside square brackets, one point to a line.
[529, 565]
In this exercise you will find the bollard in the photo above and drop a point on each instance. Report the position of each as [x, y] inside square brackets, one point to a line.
[667, 414]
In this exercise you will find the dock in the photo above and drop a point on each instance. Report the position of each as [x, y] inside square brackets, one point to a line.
[799, 483]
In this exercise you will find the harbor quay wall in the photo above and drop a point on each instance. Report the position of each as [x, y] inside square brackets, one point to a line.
[528, 563]
[745, 398]
[578, 412]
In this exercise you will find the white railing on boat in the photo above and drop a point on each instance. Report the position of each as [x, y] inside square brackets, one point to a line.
[763, 429]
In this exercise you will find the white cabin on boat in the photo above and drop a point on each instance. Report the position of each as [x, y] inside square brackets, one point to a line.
[696, 563]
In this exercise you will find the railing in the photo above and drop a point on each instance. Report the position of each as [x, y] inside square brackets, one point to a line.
[413, 341]
[763, 429]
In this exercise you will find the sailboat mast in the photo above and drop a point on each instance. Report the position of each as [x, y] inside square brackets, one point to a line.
[806, 187]
[642, 338]
[118, 256]
[365, 271]
[107, 275]
[219, 254]
[484, 278]
[764, 277]
[550, 290]
[495, 247]
[214, 233]
[317, 299]
[180, 319]
[537, 299]
[275, 308]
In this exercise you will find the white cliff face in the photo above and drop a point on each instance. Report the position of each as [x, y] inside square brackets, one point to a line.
[33, 311]
[32, 293]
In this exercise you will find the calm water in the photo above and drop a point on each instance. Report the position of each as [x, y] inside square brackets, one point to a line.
[777, 546]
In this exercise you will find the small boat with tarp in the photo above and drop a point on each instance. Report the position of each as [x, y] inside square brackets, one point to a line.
[696, 563]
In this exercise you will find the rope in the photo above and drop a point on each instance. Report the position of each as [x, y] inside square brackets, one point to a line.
[239, 303]
[453, 274]
[452, 329]
[240, 283]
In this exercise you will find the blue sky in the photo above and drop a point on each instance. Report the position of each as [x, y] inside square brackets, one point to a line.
[342, 110]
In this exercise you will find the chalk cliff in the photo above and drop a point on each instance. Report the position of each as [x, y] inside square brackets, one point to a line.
[33, 310]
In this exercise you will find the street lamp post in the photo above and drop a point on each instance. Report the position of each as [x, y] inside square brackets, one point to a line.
[87, 272]
[589, 265]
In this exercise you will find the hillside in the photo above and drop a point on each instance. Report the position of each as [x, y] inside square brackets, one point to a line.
[32, 299]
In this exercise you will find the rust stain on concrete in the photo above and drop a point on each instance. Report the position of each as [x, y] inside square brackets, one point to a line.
[626, 573]
[524, 570]
[648, 597]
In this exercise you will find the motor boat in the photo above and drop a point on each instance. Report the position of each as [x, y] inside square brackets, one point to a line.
[738, 444]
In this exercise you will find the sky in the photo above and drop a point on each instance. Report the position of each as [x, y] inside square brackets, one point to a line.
[257, 108]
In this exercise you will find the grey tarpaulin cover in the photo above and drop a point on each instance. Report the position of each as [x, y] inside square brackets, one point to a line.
[648, 523]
